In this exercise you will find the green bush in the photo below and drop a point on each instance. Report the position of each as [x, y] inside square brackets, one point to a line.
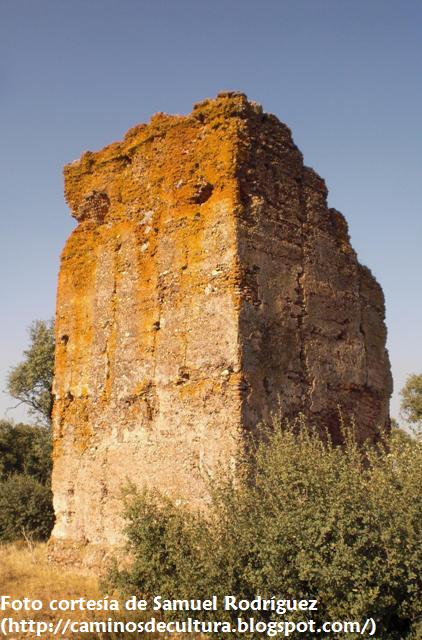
[25, 449]
[26, 509]
[26, 506]
[301, 519]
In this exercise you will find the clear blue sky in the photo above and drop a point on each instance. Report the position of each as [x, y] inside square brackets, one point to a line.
[345, 75]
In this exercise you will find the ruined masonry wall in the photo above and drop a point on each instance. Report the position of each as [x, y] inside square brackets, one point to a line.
[205, 287]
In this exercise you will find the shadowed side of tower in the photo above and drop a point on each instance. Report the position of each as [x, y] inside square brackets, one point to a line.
[311, 321]
[205, 287]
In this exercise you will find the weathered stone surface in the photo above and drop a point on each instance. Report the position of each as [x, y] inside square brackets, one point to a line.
[206, 286]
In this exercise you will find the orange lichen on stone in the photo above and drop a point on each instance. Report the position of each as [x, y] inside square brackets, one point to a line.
[206, 286]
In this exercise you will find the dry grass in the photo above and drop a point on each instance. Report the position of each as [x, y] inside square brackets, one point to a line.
[26, 572]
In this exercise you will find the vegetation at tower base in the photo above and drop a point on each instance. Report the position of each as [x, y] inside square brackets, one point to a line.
[303, 519]
[26, 509]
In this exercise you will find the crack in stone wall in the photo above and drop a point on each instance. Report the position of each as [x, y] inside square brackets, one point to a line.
[308, 383]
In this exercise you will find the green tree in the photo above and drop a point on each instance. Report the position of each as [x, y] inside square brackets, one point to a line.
[30, 381]
[411, 400]
[25, 449]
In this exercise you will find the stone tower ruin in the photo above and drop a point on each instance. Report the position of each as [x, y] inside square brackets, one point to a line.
[206, 287]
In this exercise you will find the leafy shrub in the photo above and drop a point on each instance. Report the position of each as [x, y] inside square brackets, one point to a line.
[25, 449]
[301, 519]
[26, 509]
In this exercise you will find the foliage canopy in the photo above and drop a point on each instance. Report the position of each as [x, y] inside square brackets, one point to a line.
[411, 400]
[30, 381]
[25, 449]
